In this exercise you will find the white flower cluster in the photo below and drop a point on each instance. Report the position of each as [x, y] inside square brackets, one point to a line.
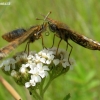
[35, 66]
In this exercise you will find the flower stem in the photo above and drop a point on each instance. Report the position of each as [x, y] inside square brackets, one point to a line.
[36, 95]
[41, 89]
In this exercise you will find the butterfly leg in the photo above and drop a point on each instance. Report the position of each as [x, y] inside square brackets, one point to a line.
[43, 43]
[67, 46]
[69, 52]
[53, 41]
[27, 47]
[58, 46]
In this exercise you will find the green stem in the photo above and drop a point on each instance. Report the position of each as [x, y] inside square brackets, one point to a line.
[36, 95]
[41, 89]
[48, 83]
[52, 77]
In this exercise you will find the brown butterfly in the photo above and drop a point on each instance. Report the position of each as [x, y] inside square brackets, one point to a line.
[64, 33]
[17, 37]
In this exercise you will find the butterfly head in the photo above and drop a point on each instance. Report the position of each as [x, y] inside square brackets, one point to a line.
[52, 24]
[38, 30]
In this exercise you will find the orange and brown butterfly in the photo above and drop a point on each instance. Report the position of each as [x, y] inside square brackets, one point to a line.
[18, 36]
[65, 33]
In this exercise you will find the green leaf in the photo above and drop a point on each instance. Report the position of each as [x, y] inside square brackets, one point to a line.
[94, 84]
[67, 97]
[90, 76]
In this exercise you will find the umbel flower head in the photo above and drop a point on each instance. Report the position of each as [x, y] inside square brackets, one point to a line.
[30, 71]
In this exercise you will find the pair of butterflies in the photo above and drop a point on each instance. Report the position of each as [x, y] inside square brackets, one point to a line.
[61, 30]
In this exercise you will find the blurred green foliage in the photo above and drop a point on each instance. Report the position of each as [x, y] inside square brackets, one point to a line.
[83, 16]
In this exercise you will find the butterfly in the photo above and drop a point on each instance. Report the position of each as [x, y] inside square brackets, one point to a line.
[62, 31]
[19, 36]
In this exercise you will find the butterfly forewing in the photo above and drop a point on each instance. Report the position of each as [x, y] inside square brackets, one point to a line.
[83, 41]
[10, 36]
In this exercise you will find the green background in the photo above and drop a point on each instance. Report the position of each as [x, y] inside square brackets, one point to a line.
[83, 16]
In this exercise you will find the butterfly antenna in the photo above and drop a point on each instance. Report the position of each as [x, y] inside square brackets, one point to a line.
[45, 17]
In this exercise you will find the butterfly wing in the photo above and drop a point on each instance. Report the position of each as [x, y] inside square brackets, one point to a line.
[11, 36]
[83, 41]
[11, 46]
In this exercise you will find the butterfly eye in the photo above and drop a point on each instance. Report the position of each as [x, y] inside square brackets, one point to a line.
[53, 27]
